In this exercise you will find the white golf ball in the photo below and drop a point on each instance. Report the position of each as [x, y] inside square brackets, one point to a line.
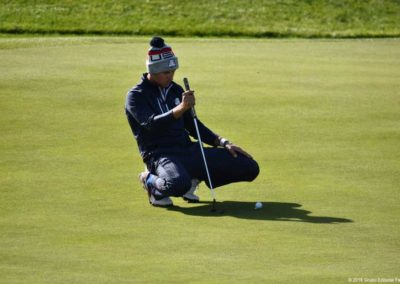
[258, 205]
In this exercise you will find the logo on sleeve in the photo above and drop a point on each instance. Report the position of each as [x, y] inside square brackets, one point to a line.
[177, 102]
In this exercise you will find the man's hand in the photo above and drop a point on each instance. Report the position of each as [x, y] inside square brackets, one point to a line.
[188, 101]
[234, 150]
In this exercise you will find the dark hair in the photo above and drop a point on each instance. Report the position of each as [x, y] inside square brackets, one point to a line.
[157, 42]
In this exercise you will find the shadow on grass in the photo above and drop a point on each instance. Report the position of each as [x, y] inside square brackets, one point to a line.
[271, 211]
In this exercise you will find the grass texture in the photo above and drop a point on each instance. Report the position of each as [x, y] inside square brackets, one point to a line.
[322, 118]
[255, 18]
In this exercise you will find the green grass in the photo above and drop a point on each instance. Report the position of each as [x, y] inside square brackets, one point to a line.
[322, 117]
[256, 18]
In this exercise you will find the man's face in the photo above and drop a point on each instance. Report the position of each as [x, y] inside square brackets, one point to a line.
[163, 79]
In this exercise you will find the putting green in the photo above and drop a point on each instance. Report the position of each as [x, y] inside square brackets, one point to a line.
[322, 117]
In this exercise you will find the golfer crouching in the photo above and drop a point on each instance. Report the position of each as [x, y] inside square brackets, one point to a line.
[158, 111]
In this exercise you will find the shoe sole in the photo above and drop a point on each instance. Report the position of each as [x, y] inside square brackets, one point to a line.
[188, 200]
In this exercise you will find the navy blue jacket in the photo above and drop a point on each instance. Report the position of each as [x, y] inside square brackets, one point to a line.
[149, 111]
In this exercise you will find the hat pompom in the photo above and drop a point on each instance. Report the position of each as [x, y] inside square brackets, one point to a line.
[157, 42]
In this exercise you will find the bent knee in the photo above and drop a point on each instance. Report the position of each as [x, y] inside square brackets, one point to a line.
[252, 170]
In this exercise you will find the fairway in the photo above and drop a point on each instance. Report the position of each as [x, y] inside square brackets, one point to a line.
[322, 118]
[256, 18]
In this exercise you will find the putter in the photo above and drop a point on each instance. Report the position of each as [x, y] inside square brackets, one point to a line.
[186, 82]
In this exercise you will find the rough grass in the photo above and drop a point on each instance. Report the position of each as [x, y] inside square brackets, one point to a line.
[256, 18]
[322, 117]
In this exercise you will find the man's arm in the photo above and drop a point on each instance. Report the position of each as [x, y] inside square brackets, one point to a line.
[210, 138]
[139, 108]
[207, 136]
[183, 109]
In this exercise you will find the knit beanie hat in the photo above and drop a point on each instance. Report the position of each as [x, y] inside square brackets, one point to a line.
[161, 58]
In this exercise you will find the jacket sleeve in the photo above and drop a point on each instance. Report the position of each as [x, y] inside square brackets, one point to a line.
[207, 136]
[138, 107]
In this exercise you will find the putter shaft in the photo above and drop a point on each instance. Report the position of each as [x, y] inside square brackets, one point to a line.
[186, 82]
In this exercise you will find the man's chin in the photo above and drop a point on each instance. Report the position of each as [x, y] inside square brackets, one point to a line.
[166, 84]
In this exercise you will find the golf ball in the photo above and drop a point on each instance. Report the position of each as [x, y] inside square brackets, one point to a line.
[258, 205]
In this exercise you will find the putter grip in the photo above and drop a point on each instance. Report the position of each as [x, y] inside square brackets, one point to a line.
[186, 82]
[187, 88]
